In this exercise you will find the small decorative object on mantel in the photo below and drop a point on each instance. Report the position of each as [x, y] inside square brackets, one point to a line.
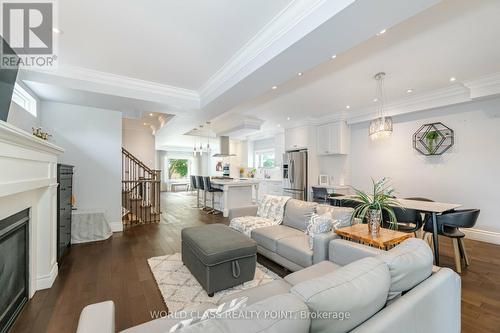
[433, 139]
[40, 134]
[371, 205]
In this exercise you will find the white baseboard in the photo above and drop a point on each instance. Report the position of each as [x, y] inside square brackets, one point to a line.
[482, 235]
[46, 281]
[116, 226]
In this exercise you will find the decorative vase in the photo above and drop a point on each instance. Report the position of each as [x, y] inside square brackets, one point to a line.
[374, 216]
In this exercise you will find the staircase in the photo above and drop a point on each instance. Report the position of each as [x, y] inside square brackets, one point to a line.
[140, 191]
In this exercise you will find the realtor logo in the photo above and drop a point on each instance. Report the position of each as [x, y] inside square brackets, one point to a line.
[27, 27]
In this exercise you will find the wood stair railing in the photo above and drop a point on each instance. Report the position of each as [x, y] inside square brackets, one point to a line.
[140, 191]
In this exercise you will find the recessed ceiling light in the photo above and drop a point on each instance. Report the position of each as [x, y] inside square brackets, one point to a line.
[375, 100]
[409, 91]
[347, 106]
[57, 31]
[299, 73]
[279, 125]
[381, 32]
[334, 56]
[151, 114]
[274, 87]
[145, 124]
[453, 79]
[288, 118]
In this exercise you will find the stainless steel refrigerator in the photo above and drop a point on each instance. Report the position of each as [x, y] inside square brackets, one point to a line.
[295, 174]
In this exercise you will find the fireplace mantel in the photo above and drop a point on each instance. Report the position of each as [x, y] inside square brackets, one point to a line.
[28, 180]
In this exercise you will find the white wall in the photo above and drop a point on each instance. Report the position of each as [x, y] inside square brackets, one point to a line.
[468, 174]
[21, 118]
[92, 139]
[337, 167]
[139, 141]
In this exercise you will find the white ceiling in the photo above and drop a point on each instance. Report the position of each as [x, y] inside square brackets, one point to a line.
[174, 42]
[454, 38]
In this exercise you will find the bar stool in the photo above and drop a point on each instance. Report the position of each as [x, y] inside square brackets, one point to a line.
[192, 183]
[194, 186]
[200, 184]
[208, 188]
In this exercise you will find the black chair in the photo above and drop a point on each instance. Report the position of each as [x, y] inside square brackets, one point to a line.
[194, 187]
[449, 225]
[408, 220]
[200, 185]
[207, 184]
[192, 183]
[320, 194]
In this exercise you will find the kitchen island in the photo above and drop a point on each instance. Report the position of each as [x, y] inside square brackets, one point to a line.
[236, 193]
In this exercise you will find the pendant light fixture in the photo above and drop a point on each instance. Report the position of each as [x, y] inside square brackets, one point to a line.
[381, 126]
[208, 136]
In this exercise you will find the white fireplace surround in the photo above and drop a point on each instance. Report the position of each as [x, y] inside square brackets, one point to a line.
[28, 179]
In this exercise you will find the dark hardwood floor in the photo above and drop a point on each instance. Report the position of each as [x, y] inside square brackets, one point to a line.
[116, 269]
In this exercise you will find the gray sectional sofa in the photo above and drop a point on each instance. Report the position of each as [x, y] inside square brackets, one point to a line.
[287, 244]
[359, 289]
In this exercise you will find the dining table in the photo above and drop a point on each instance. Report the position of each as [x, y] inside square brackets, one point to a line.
[430, 207]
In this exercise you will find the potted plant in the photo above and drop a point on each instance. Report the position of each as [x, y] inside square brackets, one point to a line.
[371, 206]
[431, 138]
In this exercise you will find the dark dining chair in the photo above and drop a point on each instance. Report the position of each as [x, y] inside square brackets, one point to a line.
[449, 225]
[408, 220]
[320, 194]
[412, 222]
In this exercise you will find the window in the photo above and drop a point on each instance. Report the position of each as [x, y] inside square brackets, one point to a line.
[264, 158]
[23, 98]
[178, 168]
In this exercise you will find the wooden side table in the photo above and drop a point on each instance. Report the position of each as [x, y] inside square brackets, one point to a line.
[385, 240]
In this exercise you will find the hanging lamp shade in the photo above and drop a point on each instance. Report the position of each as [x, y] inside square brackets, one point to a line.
[381, 126]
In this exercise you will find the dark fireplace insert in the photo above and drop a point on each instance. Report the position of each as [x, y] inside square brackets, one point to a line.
[14, 267]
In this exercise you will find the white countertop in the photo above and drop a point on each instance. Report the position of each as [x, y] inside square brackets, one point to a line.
[235, 182]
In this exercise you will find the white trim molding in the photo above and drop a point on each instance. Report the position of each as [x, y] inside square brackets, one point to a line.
[484, 86]
[482, 235]
[107, 83]
[46, 281]
[295, 21]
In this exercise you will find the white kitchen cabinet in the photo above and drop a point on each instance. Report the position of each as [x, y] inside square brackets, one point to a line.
[297, 138]
[333, 139]
[271, 187]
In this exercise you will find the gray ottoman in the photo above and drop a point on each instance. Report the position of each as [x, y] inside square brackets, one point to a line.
[218, 256]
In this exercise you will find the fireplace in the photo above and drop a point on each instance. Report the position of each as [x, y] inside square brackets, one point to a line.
[14, 264]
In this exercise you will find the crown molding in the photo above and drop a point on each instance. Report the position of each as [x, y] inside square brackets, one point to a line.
[271, 40]
[484, 86]
[95, 79]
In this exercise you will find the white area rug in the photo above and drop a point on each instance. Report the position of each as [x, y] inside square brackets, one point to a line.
[181, 290]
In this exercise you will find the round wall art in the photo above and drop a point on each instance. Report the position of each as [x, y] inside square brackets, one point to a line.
[433, 139]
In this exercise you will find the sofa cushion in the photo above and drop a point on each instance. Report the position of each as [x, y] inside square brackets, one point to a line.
[259, 293]
[358, 290]
[298, 213]
[264, 316]
[311, 272]
[272, 207]
[246, 224]
[409, 264]
[341, 214]
[296, 249]
[268, 237]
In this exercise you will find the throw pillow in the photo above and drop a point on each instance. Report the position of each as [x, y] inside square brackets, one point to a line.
[319, 224]
[220, 311]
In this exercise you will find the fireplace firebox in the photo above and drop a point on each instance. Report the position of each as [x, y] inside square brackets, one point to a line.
[14, 267]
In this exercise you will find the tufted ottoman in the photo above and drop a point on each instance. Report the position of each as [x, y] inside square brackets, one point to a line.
[218, 256]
